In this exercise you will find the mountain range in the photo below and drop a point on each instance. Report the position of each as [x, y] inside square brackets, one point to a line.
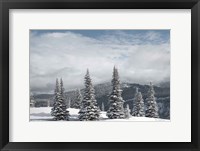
[102, 92]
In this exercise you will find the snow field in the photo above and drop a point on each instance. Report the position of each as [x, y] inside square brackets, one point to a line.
[44, 114]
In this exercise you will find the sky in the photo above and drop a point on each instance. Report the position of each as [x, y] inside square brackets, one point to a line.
[141, 56]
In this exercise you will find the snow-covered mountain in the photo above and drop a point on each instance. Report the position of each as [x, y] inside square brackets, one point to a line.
[102, 91]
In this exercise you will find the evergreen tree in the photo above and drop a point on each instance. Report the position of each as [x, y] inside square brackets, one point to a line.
[127, 111]
[116, 110]
[56, 96]
[102, 107]
[89, 110]
[59, 111]
[151, 107]
[78, 100]
[63, 101]
[138, 107]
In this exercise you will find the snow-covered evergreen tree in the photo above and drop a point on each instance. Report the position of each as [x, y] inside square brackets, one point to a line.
[151, 107]
[138, 105]
[102, 107]
[127, 111]
[116, 110]
[89, 110]
[63, 101]
[56, 96]
[78, 100]
[59, 111]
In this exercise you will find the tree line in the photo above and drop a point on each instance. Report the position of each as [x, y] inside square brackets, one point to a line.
[90, 111]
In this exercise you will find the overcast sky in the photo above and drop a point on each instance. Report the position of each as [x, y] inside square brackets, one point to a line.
[140, 55]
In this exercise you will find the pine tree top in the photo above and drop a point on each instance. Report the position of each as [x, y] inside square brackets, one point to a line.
[61, 87]
[87, 72]
[57, 86]
[151, 89]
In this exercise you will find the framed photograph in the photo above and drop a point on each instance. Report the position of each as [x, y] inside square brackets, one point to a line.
[99, 75]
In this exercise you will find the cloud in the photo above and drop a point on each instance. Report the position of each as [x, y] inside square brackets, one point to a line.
[140, 57]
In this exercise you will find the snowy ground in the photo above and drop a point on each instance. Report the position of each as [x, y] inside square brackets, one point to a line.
[43, 114]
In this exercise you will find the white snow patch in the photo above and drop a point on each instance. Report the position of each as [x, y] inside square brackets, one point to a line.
[44, 114]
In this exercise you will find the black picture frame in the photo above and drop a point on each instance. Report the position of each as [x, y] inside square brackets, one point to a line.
[5, 5]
